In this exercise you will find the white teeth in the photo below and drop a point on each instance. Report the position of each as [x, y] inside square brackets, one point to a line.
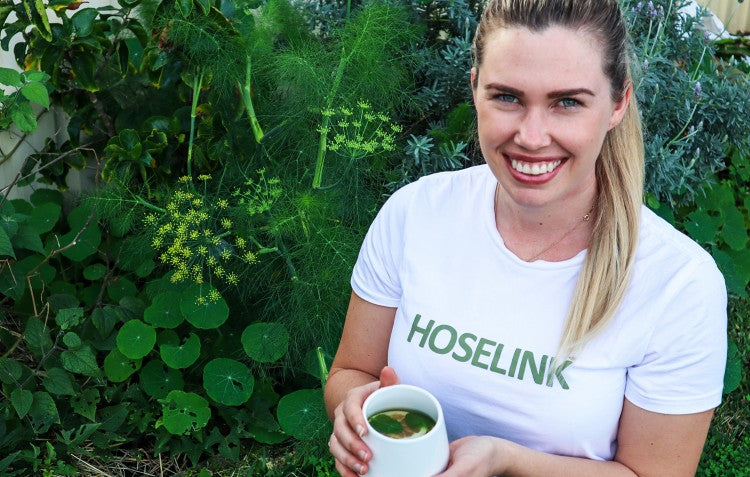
[536, 168]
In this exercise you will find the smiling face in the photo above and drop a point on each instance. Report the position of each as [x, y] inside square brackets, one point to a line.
[544, 106]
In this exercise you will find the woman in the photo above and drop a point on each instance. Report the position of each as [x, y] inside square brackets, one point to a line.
[564, 328]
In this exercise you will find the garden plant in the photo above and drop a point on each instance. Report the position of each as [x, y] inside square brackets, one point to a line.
[183, 311]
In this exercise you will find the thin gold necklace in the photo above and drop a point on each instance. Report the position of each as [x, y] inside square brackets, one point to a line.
[584, 219]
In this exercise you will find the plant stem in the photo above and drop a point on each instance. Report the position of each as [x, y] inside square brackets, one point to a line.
[248, 100]
[197, 81]
[322, 366]
[320, 159]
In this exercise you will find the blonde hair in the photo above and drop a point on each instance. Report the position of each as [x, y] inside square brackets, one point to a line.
[619, 169]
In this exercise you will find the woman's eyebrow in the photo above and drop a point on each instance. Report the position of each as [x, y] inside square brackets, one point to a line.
[552, 94]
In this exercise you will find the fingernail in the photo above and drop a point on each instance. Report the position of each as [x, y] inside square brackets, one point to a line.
[360, 431]
[362, 455]
[358, 468]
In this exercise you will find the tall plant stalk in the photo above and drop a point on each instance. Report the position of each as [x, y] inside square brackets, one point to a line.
[247, 99]
[197, 82]
[322, 144]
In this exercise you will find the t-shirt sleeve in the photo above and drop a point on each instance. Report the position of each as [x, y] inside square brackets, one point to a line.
[682, 371]
[375, 277]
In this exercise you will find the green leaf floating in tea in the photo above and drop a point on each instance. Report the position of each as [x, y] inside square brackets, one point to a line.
[401, 423]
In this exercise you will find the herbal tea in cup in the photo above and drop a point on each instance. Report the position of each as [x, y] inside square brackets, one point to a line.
[405, 432]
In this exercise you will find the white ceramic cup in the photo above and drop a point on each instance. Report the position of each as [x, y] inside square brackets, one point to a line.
[422, 456]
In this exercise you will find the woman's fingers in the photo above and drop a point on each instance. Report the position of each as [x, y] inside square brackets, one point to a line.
[388, 377]
[346, 463]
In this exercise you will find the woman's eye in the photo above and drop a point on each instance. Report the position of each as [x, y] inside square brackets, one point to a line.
[506, 98]
[568, 103]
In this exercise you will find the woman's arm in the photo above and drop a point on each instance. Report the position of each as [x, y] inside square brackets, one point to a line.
[649, 444]
[358, 369]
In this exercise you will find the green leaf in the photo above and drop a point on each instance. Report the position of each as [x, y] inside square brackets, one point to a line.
[701, 226]
[94, 272]
[37, 336]
[71, 340]
[85, 403]
[734, 231]
[40, 197]
[80, 361]
[104, 319]
[27, 238]
[302, 414]
[227, 381]
[733, 372]
[85, 231]
[84, 67]
[385, 424]
[185, 7]
[164, 311]
[120, 288]
[157, 382]
[37, 93]
[10, 77]
[68, 318]
[41, 11]
[23, 117]
[59, 382]
[43, 412]
[265, 342]
[136, 339]
[10, 371]
[21, 400]
[205, 6]
[118, 367]
[184, 412]
[200, 311]
[6, 249]
[83, 21]
[179, 356]
[734, 276]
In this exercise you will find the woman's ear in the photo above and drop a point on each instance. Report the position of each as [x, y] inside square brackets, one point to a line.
[621, 107]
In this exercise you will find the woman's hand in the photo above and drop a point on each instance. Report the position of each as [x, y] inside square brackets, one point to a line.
[349, 426]
[473, 456]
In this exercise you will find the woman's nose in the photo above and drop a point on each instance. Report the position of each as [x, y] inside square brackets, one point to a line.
[532, 131]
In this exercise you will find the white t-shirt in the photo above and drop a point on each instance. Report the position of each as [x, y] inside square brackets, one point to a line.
[478, 327]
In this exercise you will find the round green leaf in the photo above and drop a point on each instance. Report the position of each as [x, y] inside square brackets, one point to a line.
[179, 356]
[157, 381]
[117, 366]
[303, 415]
[44, 217]
[228, 381]
[164, 311]
[94, 272]
[265, 342]
[121, 288]
[183, 412]
[200, 311]
[136, 339]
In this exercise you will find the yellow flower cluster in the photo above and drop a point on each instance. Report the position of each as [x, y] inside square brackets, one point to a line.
[359, 132]
[260, 194]
[196, 239]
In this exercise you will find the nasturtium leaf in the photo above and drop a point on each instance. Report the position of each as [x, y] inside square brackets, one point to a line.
[265, 342]
[71, 340]
[167, 337]
[734, 231]
[58, 382]
[37, 93]
[136, 339]
[183, 412]
[43, 196]
[21, 400]
[121, 288]
[44, 217]
[227, 381]
[43, 412]
[145, 268]
[37, 336]
[157, 381]
[199, 309]
[179, 356]
[67, 318]
[85, 403]
[80, 361]
[132, 307]
[164, 311]
[734, 277]
[303, 415]
[95, 271]
[118, 367]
